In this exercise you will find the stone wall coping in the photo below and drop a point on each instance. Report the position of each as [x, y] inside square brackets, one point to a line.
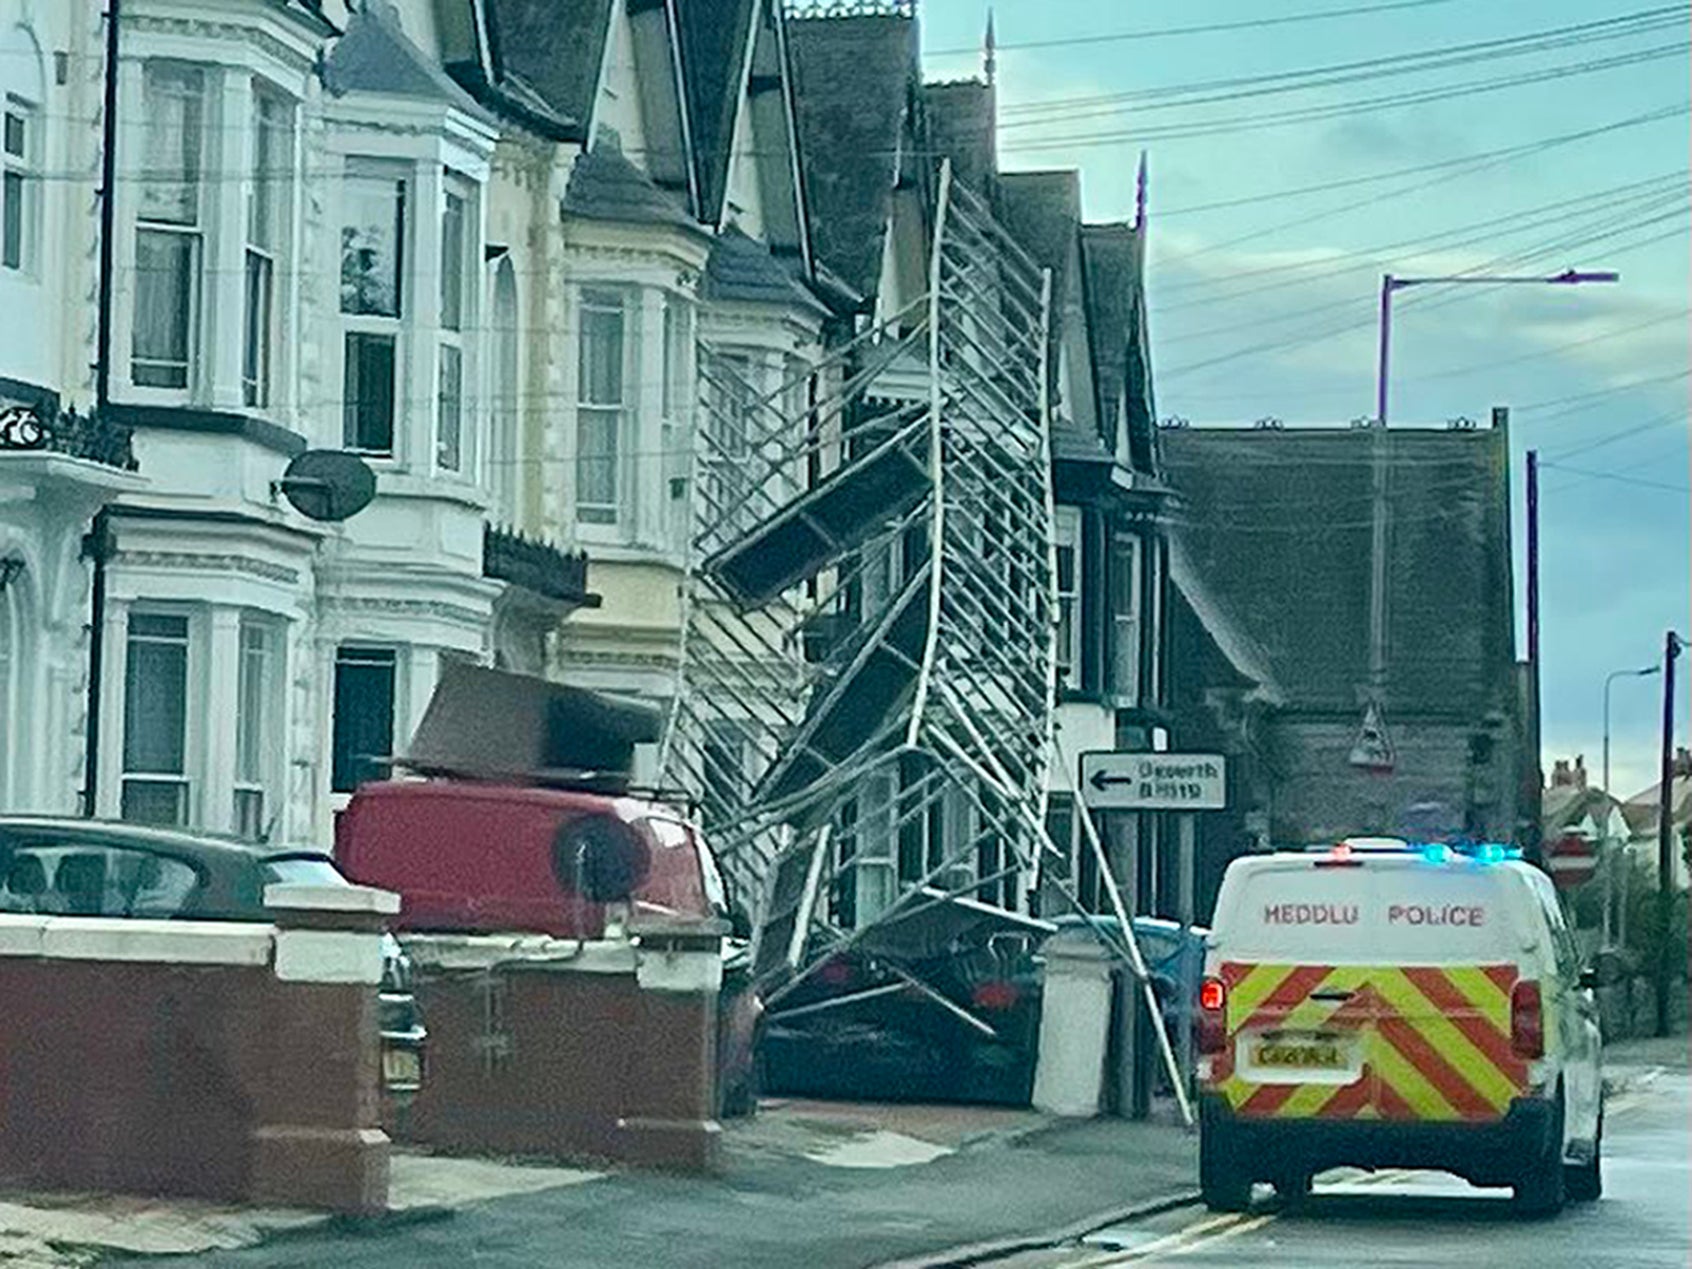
[240, 943]
[333, 898]
[485, 951]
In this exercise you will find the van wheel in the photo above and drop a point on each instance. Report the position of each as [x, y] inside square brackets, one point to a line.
[1222, 1186]
[1541, 1191]
[1584, 1182]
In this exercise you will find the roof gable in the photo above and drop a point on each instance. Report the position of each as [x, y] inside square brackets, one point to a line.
[1272, 518]
[1113, 285]
[852, 82]
[375, 56]
[550, 49]
[715, 38]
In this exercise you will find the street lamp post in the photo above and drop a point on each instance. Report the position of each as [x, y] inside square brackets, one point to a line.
[1391, 284]
[1611, 900]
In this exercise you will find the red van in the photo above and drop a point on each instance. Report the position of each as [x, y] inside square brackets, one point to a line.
[468, 856]
[465, 856]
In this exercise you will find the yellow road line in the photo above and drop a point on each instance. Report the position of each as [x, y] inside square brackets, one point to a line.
[1221, 1235]
[1210, 1230]
[1187, 1233]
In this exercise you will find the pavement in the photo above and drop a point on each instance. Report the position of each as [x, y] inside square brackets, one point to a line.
[838, 1185]
[813, 1184]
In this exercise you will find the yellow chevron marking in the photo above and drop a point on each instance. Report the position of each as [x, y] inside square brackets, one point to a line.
[1443, 1037]
[1409, 1083]
[1250, 992]
[1481, 992]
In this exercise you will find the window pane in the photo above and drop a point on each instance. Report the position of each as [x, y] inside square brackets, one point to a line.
[155, 716]
[255, 346]
[253, 693]
[601, 359]
[596, 465]
[11, 220]
[164, 304]
[364, 716]
[271, 163]
[448, 455]
[367, 412]
[171, 114]
[14, 134]
[372, 245]
[452, 263]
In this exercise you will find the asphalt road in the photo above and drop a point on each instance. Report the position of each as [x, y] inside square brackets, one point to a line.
[1401, 1218]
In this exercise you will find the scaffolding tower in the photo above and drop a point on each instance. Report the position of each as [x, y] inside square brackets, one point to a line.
[865, 706]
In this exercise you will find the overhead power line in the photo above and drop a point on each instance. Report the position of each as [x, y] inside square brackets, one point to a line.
[1315, 114]
[1208, 28]
[1478, 163]
[1370, 69]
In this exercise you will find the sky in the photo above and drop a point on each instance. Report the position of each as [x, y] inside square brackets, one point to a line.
[1268, 306]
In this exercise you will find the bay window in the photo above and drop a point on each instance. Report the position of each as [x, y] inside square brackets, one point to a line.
[155, 720]
[728, 441]
[601, 404]
[19, 125]
[266, 218]
[255, 724]
[169, 239]
[677, 403]
[449, 402]
[372, 295]
[1066, 531]
[366, 683]
[1125, 617]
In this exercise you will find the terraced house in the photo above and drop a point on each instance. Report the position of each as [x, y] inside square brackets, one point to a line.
[485, 246]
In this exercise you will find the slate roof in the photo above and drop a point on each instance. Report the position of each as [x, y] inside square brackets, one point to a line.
[741, 268]
[375, 56]
[852, 80]
[550, 50]
[604, 185]
[959, 118]
[714, 34]
[1277, 525]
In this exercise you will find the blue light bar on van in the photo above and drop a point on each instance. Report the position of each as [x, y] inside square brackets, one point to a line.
[1480, 852]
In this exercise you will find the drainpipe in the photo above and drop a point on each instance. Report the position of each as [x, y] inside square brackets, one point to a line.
[97, 546]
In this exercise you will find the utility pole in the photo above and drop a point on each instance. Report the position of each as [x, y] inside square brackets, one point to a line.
[1531, 847]
[1665, 837]
[98, 544]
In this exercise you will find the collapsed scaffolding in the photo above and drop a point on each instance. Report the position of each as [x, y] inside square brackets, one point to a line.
[865, 698]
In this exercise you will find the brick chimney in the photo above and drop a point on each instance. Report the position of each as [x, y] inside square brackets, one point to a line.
[1683, 761]
[1566, 775]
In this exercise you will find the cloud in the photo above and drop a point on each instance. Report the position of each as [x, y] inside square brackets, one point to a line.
[1390, 140]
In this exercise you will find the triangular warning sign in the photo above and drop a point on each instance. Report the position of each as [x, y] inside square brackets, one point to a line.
[1373, 749]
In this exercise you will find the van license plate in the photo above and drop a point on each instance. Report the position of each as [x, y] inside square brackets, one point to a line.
[1302, 1054]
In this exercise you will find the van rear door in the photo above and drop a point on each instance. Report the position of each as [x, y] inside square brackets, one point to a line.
[1368, 986]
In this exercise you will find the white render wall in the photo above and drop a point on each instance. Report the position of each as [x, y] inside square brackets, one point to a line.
[201, 532]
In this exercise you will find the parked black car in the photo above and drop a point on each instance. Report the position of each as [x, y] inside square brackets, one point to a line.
[60, 866]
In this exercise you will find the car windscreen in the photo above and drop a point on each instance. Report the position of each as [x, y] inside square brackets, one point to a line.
[1369, 912]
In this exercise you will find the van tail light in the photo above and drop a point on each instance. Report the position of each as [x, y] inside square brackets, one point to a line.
[1527, 1020]
[1213, 1016]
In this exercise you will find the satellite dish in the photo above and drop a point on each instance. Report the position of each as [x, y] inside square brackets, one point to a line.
[327, 484]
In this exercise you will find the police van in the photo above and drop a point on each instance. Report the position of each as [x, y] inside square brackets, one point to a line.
[1382, 1004]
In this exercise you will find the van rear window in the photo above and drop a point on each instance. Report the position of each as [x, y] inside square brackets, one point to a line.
[1392, 914]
